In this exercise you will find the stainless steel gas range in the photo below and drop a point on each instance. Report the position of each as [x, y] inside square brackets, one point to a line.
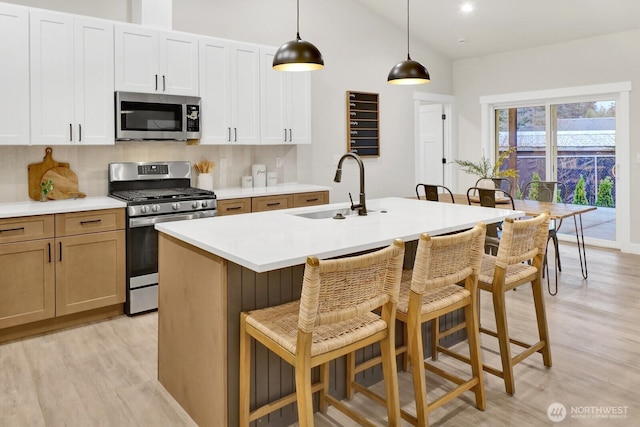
[154, 192]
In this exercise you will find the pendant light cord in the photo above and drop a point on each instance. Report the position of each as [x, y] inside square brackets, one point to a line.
[408, 55]
[298, 20]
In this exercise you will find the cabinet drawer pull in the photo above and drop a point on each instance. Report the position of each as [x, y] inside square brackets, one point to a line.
[156, 82]
[273, 204]
[7, 230]
[315, 199]
[164, 86]
[234, 208]
[49, 249]
[79, 133]
[92, 221]
[235, 134]
[70, 132]
[290, 136]
[229, 138]
[60, 251]
[285, 135]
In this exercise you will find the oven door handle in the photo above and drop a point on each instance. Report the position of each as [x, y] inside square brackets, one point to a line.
[147, 221]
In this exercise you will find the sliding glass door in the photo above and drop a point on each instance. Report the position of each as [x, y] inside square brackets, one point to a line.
[573, 143]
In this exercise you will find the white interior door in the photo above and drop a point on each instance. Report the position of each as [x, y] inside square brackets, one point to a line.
[430, 149]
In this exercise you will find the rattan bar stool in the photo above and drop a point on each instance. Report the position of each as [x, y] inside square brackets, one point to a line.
[519, 261]
[333, 317]
[432, 289]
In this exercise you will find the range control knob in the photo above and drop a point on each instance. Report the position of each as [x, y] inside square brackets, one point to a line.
[195, 204]
[176, 206]
[155, 208]
[205, 203]
[144, 209]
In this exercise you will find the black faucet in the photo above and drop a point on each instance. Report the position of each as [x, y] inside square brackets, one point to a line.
[362, 206]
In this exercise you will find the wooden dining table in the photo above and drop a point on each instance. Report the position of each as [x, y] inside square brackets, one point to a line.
[557, 211]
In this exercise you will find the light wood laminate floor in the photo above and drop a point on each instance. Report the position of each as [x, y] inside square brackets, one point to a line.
[104, 374]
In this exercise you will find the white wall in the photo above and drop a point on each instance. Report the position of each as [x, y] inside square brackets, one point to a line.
[359, 49]
[598, 60]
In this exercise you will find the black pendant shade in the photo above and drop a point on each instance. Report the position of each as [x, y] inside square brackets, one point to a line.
[297, 55]
[408, 72]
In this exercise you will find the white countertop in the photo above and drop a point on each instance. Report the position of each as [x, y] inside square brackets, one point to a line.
[265, 241]
[19, 209]
[237, 192]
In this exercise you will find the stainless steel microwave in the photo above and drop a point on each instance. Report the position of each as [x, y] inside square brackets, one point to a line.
[149, 116]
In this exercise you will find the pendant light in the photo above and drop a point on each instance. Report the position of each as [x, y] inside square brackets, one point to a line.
[408, 72]
[298, 55]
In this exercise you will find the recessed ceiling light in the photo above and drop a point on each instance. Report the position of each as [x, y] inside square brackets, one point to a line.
[467, 7]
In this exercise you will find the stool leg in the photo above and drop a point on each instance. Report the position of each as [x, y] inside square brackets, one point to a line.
[541, 319]
[475, 354]
[303, 380]
[435, 337]
[245, 372]
[389, 368]
[503, 339]
[416, 355]
[351, 374]
[324, 377]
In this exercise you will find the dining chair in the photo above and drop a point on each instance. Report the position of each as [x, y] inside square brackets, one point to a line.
[551, 192]
[333, 317]
[498, 183]
[518, 262]
[488, 198]
[431, 192]
[443, 279]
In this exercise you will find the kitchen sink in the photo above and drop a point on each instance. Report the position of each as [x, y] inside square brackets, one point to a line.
[332, 213]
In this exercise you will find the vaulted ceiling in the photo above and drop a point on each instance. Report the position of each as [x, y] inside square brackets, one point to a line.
[505, 25]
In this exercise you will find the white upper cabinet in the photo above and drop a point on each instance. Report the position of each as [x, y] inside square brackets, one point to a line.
[285, 104]
[230, 90]
[71, 79]
[14, 75]
[153, 61]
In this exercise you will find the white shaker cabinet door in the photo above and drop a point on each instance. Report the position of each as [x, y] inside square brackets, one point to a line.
[14, 75]
[52, 85]
[178, 64]
[273, 112]
[136, 59]
[94, 101]
[215, 89]
[299, 107]
[245, 94]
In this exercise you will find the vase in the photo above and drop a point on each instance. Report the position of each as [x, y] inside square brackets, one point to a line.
[43, 196]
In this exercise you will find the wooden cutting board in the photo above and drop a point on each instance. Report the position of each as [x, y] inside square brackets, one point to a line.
[37, 170]
[65, 183]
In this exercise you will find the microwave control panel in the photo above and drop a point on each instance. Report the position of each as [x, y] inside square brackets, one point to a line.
[193, 118]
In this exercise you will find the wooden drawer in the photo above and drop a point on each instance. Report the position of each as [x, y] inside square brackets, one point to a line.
[234, 206]
[310, 199]
[26, 228]
[69, 224]
[271, 203]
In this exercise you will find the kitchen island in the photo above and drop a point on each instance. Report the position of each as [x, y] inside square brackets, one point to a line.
[211, 269]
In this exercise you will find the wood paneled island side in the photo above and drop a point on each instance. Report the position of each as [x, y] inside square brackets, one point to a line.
[211, 269]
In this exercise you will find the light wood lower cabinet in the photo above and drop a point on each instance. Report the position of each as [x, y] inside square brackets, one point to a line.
[234, 206]
[27, 286]
[90, 271]
[47, 274]
[269, 203]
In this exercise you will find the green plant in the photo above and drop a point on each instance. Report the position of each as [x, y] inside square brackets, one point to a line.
[46, 187]
[605, 197]
[533, 188]
[580, 195]
[484, 169]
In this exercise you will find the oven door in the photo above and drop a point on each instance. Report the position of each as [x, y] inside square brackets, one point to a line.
[142, 259]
